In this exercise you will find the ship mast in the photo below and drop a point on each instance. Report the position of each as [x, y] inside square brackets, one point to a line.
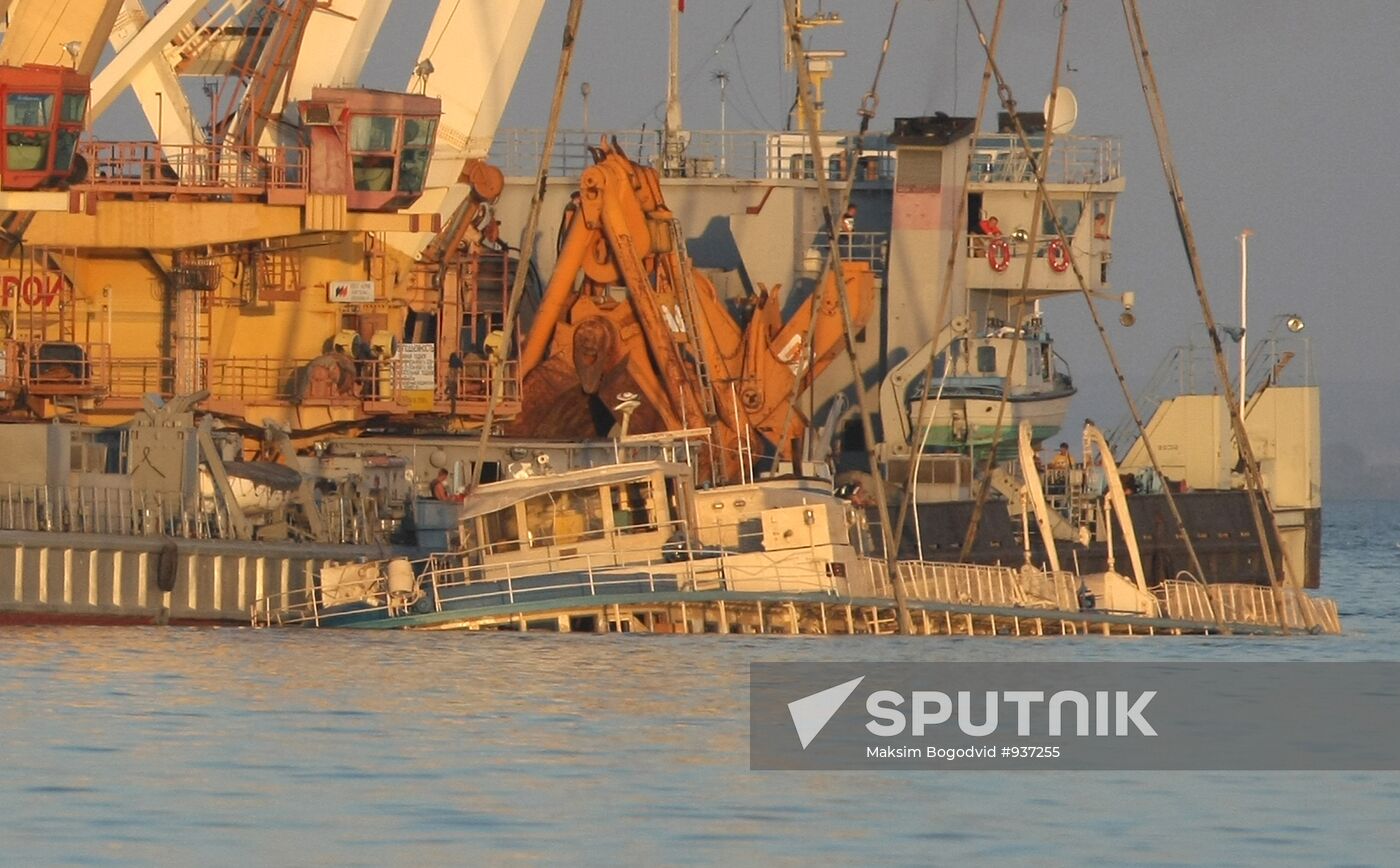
[673, 143]
[817, 63]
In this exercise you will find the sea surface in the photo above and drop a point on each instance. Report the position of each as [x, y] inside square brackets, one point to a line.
[178, 746]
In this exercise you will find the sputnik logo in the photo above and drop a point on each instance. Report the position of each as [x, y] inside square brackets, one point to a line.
[811, 714]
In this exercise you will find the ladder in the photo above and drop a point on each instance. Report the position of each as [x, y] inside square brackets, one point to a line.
[691, 314]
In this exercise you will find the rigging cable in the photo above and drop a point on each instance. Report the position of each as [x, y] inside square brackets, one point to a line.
[527, 241]
[948, 273]
[867, 112]
[1254, 479]
[1041, 206]
[851, 155]
[1109, 350]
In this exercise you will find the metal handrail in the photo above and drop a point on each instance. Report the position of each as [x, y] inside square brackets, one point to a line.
[732, 154]
[107, 510]
[222, 168]
[441, 572]
[999, 158]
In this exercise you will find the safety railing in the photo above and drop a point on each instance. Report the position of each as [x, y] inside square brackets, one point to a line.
[976, 585]
[134, 377]
[106, 510]
[742, 154]
[454, 581]
[338, 377]
[1237, 603]
[1186, 600]
[1002, 251]
[1279, 359]
[999, 158]
[869, 247]
[155, 167]
[66, 368]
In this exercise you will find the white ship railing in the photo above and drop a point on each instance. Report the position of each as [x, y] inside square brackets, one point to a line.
[976, 585]
[444, 579]
[1238, 603]
[109, 510]
[736, 154]
[998, 158]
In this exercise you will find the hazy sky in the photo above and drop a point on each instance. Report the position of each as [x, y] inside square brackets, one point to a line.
[1282, 116]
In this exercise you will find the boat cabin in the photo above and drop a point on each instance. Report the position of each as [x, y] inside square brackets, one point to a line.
[371, 146]
[587, 518]
[45, 109]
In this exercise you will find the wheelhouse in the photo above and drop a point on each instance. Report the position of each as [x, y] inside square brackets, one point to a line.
[371, 146]
[45, 109]
[595, 513]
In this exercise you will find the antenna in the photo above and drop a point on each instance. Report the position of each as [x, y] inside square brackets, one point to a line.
[1066, 111]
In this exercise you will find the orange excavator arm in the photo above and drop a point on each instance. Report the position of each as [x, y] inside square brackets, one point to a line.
[672, 339]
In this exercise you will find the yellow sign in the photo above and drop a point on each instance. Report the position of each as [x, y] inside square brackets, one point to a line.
[420, 400]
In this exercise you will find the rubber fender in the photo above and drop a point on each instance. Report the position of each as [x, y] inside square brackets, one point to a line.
[167, 567]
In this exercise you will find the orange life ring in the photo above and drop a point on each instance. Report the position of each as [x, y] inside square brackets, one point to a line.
[1057, 256]
[999, 254]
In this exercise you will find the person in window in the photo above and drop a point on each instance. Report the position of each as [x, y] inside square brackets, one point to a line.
[1101, 227]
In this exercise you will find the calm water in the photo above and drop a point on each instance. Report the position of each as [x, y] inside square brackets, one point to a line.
[177, 746]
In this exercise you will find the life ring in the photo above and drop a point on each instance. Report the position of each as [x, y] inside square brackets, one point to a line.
[1057, 256]
[999, 254]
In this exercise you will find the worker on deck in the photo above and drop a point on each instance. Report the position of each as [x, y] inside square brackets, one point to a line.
[441, 491]
[568, 217]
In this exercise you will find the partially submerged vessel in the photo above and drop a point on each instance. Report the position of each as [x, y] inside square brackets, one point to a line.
[636, 547]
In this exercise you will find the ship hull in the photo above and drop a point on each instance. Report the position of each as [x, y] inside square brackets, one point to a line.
[72, 578]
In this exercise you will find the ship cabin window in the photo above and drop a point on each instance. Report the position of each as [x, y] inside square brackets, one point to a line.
[1103, 217]
[500, 530]
[1068, 212]
[633, 507]
[1033, 362]
[986, 360]
[564, 517]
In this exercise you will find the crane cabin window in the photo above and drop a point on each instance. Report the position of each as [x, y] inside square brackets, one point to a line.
[372, 141]
[74, 108]
[417, 139]
[27, 149]
[28, 110]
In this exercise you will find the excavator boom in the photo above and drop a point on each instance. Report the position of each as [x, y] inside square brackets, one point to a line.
[625, 312]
